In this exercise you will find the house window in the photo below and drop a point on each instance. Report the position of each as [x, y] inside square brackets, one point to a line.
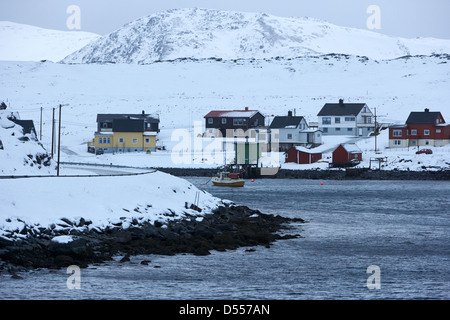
[289, 136]
[210, 120]
[104, 140]
[325, 130]
[326, 120]
[120, 140]
[337, 120]
[147, 140]
[338, 129]
[438, 130]
[239, 122]
[426, 132]
[349, 119]
[350, 129]
[397, 142]
[224, 120]
[413, 132]
[369, 120]
[427, 142]
[397, 133]
[135, 140]
[413, 142]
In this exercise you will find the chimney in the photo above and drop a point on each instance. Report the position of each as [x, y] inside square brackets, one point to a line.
[289, 113]
[341, 102]
[246, 108]
[427, 110]
[143, 112]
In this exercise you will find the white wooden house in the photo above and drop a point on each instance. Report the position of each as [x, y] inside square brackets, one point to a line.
[294, 131]
[351, 119]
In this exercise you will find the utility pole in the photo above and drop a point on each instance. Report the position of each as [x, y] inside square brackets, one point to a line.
[59, 140]
[53, 133]
[40, 132]
[376, 130]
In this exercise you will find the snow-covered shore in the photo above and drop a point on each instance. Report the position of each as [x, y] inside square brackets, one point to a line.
[31, 204]
[57, 222]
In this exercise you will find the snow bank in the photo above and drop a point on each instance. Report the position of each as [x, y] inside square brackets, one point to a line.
[87, 203]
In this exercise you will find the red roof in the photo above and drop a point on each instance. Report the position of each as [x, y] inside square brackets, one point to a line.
[231, 113]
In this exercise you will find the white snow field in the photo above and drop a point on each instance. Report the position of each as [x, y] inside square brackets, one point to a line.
[21, 42]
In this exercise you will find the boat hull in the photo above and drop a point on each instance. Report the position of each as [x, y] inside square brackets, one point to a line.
[239, 183]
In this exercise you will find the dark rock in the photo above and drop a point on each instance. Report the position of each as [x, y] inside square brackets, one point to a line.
[125, 258]
[228, 228]
[63, 261]
[67, 221]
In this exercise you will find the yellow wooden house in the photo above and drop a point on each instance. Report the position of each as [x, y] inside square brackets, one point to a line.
[120, 133]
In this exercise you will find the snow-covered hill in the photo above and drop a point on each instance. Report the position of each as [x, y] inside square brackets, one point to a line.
[20, 42]
[203, 33]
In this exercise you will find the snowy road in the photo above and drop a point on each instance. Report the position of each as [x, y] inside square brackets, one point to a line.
[87, 169]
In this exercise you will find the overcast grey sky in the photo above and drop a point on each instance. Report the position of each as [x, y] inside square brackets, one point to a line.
[404, 18]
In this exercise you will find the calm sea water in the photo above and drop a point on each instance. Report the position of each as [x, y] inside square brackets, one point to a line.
[401, 227]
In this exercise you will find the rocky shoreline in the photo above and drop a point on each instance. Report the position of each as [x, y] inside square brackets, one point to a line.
[332, 174]
[227, 228]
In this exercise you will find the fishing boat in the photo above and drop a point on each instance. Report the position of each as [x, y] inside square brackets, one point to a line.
[226, 179]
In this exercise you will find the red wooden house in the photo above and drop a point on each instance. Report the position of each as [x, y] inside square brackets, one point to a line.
[345, 153]
[302, 155]
[421, 129]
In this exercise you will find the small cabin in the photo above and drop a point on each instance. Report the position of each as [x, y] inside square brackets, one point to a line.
[302, 155]
[345, 153]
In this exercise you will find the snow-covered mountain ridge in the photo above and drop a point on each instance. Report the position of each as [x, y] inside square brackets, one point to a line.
[204, 33]
[20, 42]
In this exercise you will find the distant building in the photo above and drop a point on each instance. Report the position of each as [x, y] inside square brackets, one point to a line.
[125, 133]
[346, 153]
[27, 125]
[424, 128]
[302, 155]
[352, 119]
[233, 122]
[294, 131]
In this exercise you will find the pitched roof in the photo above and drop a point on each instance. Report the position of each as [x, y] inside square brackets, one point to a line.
[110, 117]
[351, 148]
[285, 121]
[423, 117]
[128, 125]
[27, 125]
[231, 114]
[341, 109]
